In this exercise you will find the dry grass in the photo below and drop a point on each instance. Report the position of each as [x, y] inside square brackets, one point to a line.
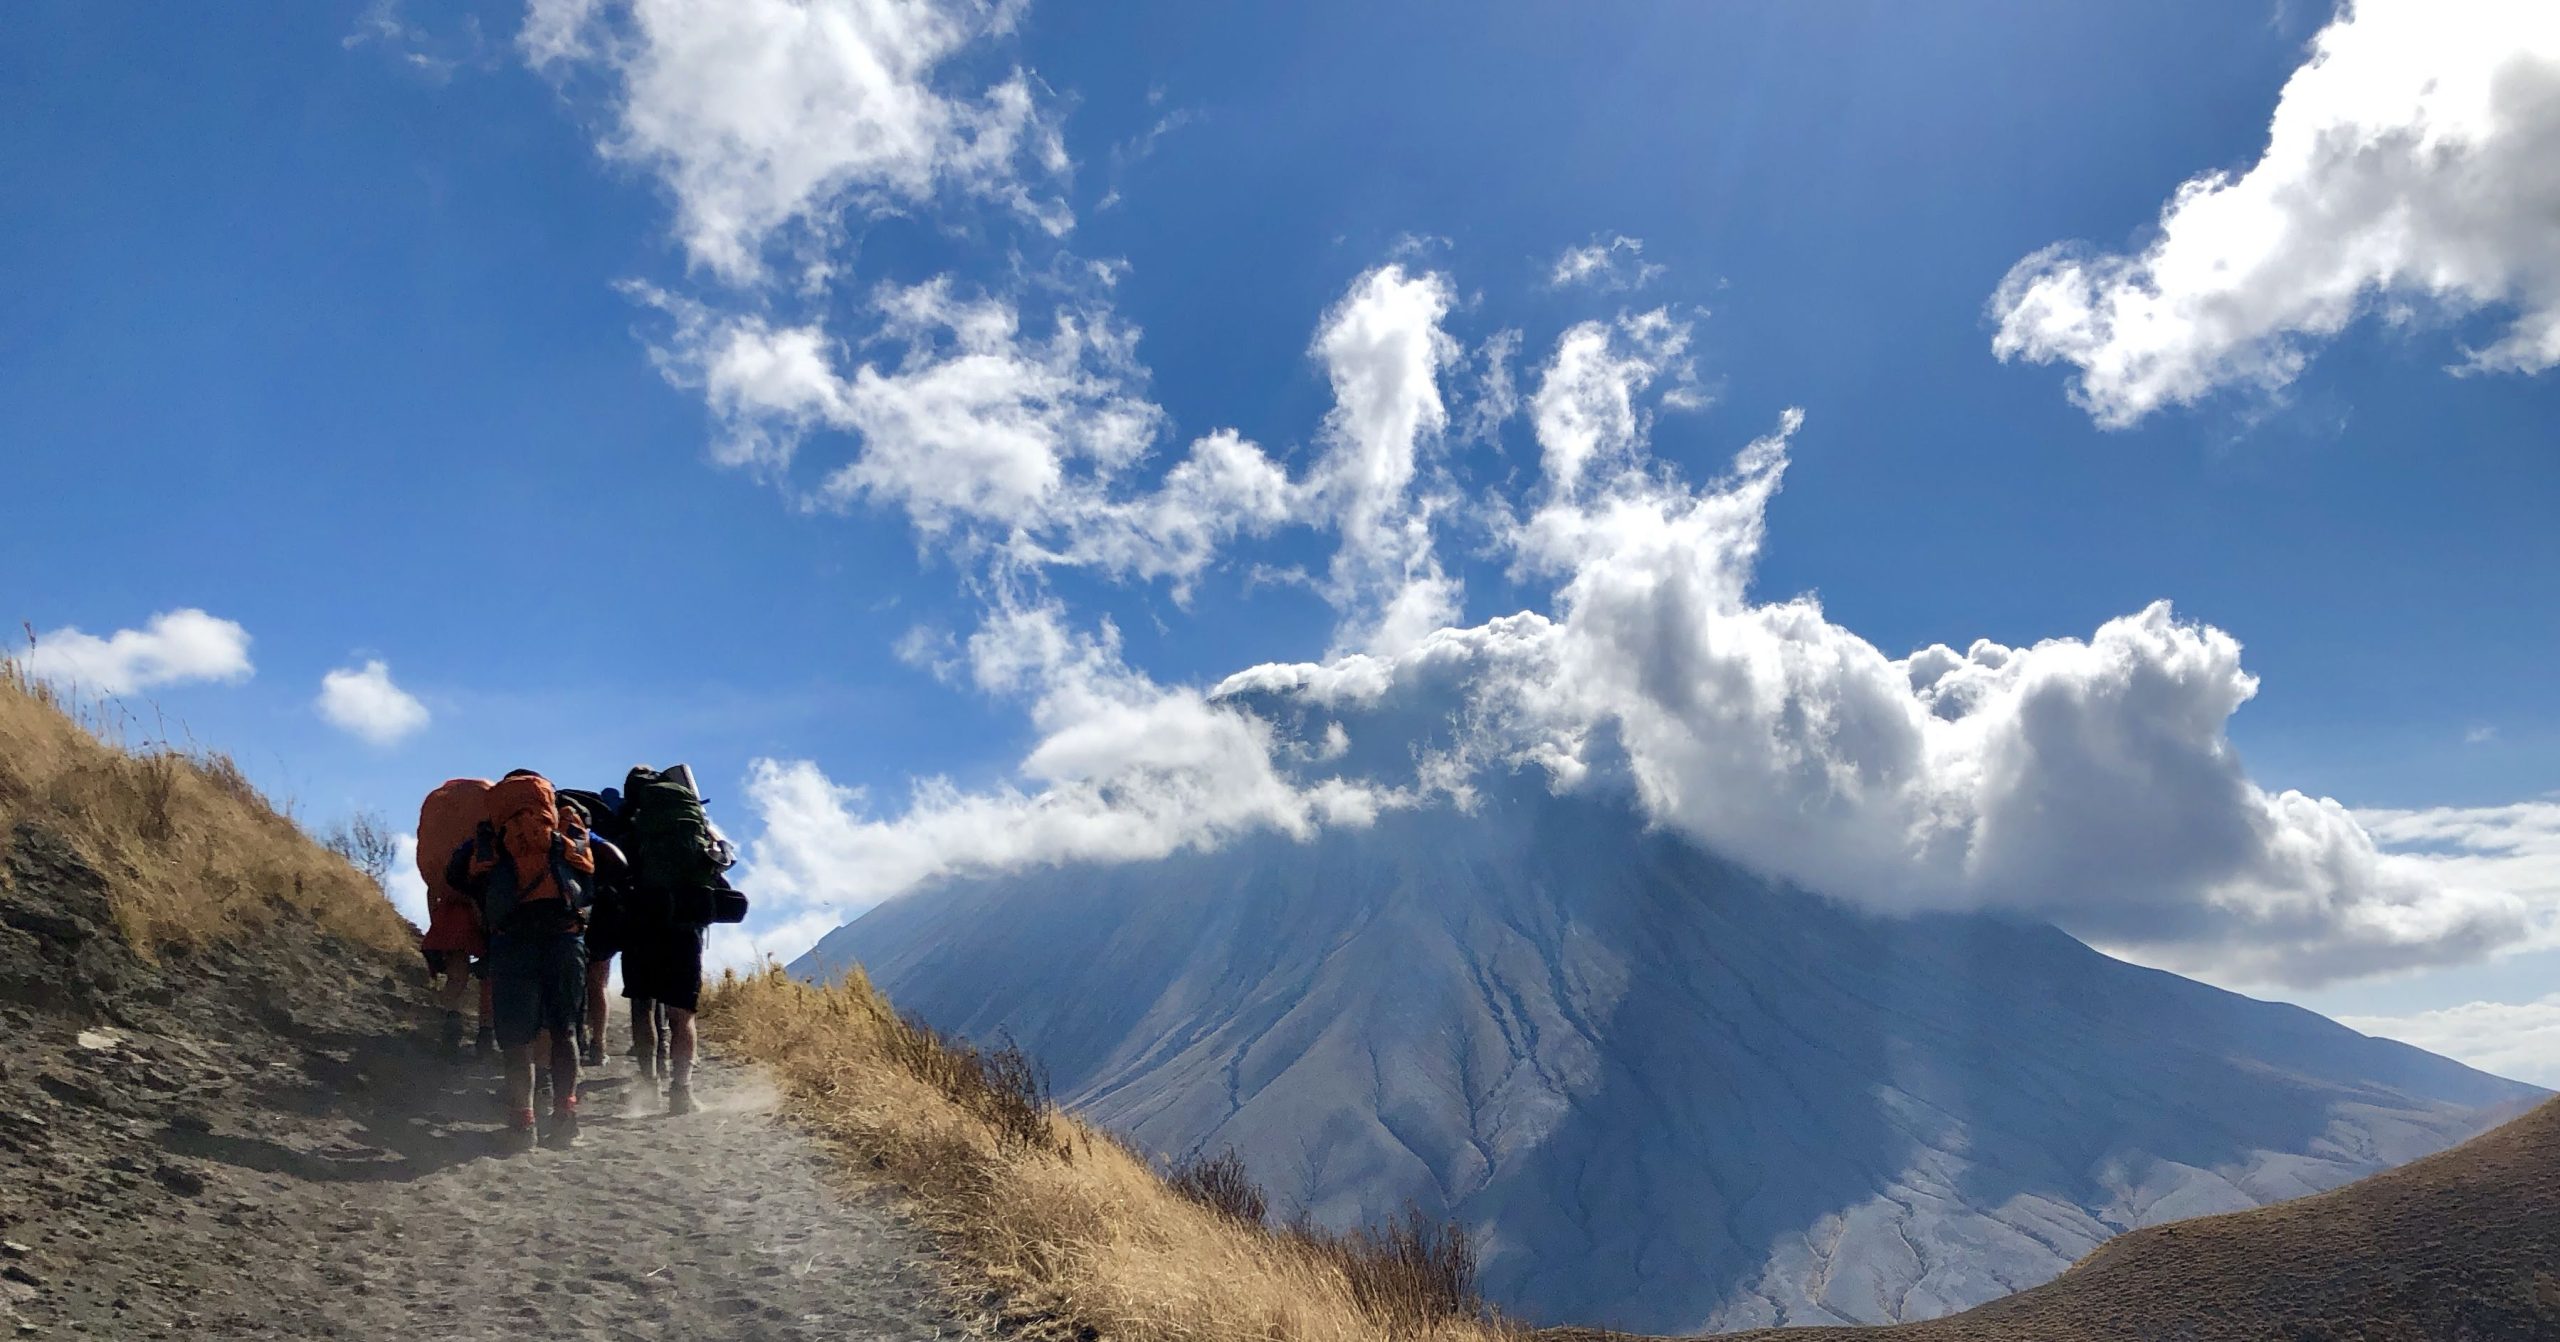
[192, 853]
[2462, 1246]
[1064, 1230]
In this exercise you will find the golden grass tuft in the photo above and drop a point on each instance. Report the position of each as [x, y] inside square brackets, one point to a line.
[191, 852]
[1066, 1231]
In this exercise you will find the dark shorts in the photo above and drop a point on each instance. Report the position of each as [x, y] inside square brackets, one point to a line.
[537, 982]
[665, 966]
[605, 933]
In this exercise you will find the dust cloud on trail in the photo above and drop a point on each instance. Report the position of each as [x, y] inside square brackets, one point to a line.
[720, 1224]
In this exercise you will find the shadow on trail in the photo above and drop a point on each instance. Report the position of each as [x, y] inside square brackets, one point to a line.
[377, 1109]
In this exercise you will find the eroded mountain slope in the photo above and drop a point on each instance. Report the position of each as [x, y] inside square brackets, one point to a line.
[1670, 1096]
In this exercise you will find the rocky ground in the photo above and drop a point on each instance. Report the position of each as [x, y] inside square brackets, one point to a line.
[251, 1140]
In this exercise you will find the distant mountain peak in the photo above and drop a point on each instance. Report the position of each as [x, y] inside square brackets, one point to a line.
[1668, 1094]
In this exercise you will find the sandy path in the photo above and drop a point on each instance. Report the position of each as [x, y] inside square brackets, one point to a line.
[407, 1223]
[717, 1225]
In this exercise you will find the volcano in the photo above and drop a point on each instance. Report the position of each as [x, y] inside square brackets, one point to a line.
[1666, 1094]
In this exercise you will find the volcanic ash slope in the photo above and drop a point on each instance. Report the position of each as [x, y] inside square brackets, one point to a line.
[1668, 1095]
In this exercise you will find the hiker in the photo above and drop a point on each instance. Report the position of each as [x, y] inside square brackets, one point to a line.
[454, 943]
[676, 891]
[649, 1042]
[531, 866]
[648, 1050]
[607, 917]
[607, 924]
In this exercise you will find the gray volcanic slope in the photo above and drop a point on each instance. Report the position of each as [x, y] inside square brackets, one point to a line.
[1667, 1094]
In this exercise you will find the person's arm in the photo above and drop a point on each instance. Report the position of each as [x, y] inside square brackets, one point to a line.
[458, 876]
[612, 867]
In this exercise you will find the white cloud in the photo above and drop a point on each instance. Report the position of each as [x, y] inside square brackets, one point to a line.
[1611, 265]
[2513, 1039]
[2515, 848]
[1496, 398]
[2089, 781]
[1586, 410]
[1124, 769]
[1030, 451]
[2412, 169]
[175, 647]
[363, 702]
[768, 119]
[995, 444]
[405, 887]
[1383, 350]
[433, 56]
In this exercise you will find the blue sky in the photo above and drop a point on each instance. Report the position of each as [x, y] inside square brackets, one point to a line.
[365, 328]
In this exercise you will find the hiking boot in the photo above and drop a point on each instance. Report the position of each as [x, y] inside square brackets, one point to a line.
[484, 1043]
[449, 1044]
[520, 1135]
[592, 1057]
[563, 1135]
[679, 1101]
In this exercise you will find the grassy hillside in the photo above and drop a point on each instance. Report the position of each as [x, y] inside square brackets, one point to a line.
[1066, 1231]
[2463, 1246]
[189, 851]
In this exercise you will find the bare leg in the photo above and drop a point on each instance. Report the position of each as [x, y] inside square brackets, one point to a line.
[599, 1011]
[564, 1075]
[449, 992]
[680, 1072]
[648, 1031]
[517, 1063]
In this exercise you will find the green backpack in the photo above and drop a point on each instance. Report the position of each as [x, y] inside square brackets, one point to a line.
[676, 856]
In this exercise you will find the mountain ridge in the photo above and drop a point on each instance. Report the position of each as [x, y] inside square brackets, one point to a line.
[1668, 1095]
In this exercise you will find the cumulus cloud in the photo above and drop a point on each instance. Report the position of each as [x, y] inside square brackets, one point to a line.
[2412, 171]
[769, 118]
[996, 443]
[2513, 1039]
[1611, 265]
[2515, 847]
[2087, 780]
[1383, 350]
[173, 648]
[1124, 769]
[363, 702]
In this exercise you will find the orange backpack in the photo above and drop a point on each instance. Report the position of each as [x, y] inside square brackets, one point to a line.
[527, 815]
[446, 820]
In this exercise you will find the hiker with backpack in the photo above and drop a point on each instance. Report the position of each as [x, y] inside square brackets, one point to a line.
[531, 867]
[676, 891]
[608, 916]
[454, 945]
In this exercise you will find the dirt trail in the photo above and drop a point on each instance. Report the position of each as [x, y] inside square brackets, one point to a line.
[388, 1210]
[248, 1138]
[716, 1225]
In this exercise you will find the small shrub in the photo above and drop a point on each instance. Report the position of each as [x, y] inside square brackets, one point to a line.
[224, 774]
[154, 776]
[1412, 1273]
[1003, 1086]
[365, 840]
[1219, 1183]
